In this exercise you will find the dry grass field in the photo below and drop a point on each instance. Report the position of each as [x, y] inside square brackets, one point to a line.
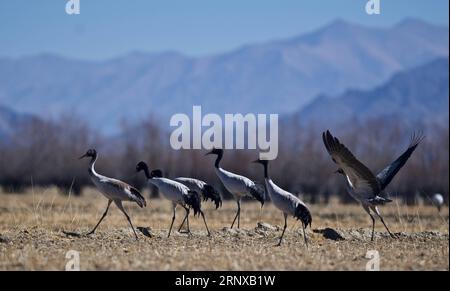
[32, 238]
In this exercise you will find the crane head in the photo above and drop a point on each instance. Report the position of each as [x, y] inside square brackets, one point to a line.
[91, 153]
[339, 171]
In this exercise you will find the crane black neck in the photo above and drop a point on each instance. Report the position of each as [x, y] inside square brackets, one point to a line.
[266, 169]
[218, 159]
[94, 158]
[147, 173]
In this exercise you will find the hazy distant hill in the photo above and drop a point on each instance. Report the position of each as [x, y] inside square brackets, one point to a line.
[419, 95]
[278, 76]
[10, 121]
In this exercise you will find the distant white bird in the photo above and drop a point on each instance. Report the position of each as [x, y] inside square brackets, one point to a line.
[239, 186]
[114, 190]
[199, 186]
[438, 201]
[362, 184]
[175, 192]
[286, 202]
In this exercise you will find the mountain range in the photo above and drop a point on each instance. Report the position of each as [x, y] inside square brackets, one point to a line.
[416, 97]
[275, 77]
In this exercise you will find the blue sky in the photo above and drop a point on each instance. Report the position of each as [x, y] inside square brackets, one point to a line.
[108, 28]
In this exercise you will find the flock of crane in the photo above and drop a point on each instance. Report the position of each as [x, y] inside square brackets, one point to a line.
[364, 186]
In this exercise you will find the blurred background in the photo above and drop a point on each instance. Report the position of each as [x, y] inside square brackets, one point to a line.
[111, 77]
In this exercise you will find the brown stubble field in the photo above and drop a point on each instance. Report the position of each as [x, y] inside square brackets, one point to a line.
[32, 238]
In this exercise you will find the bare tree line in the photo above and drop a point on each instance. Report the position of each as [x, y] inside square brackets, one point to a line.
[45, 153]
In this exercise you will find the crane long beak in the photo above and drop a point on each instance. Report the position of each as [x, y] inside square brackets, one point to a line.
[83, 156]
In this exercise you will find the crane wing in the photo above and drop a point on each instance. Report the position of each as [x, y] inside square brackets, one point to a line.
[362, 180]
[388, 173]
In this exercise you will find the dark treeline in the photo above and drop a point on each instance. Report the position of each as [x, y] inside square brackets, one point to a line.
[45, 153]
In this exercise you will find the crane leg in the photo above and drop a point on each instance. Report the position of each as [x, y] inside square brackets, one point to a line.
[120, 206]
[186, 218]
[103, 216]
[187, 222]
[238, 213]
[366, 208]
[182, 223]
[239, 219]
[284, 229]
[304, 235]
[173, 219]
[373, 226]
[206, 225]
[375, 209]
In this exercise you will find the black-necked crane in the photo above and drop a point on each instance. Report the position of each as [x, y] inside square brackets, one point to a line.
[286, 202]
[175, 192]
[362, 184]
[114, 190]
[239, 186]
[207, 191]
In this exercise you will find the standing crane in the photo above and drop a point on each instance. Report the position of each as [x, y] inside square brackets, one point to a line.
[239, 186]
[286, 202]
[114, 190]
[208, 192]
[175, 192]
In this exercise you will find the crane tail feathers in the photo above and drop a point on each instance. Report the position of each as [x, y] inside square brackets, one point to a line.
[303, 214]
[257, 193]
[209, 192]
[138, 198]
[192, 199]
